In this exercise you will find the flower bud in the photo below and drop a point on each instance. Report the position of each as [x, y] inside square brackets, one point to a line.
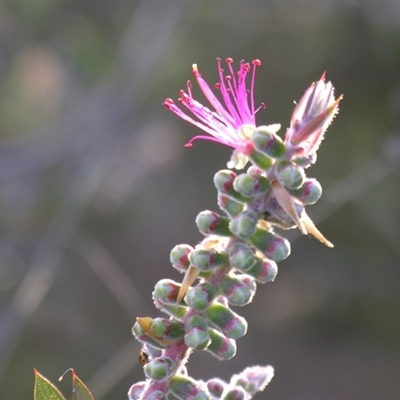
[220, 346]
[244, 224]
[311, 117]
[260, 160]
[197, 336]
[253, 379]
[229, 206]
[166, 329]
[236, 393]
[254, 171]
[309, 193]
[216, 387]
[266, 141]
[231, 324]
[165, 298]
[185, 388]
[251, 186]
[223, 181]
[143, 337]
[166, 291]
[206, 259]
[156, 395]
[177, 311]
[238, 289]
[158, 369]
[289, 175]
[241, 256]
[264, 270]
[179, 257]
[273, 246]
[305, 161]
[201, 296]
[136, 390]
[210, 223]
[151, 351]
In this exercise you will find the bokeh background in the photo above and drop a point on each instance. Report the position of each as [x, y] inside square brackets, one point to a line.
[96, 188]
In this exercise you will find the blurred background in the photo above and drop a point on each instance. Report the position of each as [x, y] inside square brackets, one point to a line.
[96, 188]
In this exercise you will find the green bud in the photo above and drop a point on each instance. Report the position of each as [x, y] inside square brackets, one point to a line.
[238, 289]
[253, 379]
[142, 336]
[205, 259]
[236, 393]
[223, 181]
[263, 270]
[136, 391]
[220, 346]
[273, 246]
[254, 171]
[197, 335]
[177, 311]
[260, 160]
[166, 329]
[200, 296]
[241, 256]
[244, 224]
[216, 387]
[305, 161]
[157, 395]
[251, 186]
[166, 291]
[210, 223]
[185, 388]
[231, 324]
[197, 338]
[230, 206]
[152, 351]
[309, 193]
[158, 369]
[196, 321]
[289, 174]
[268, 142]
[179, 257]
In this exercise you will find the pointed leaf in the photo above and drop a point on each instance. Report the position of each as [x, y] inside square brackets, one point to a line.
[45, 390]
[79, 389]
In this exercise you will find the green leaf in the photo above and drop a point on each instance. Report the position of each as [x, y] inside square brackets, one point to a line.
[45, 390]
[79, 389]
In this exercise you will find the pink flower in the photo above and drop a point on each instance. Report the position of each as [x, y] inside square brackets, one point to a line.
[232, 123]
[311, 117]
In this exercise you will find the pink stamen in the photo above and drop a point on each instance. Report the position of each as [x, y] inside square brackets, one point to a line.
[220, 71]
[229, 61]
[168, 103]
[189, 88]
[262, 106]
[256, 63]
[201, 137]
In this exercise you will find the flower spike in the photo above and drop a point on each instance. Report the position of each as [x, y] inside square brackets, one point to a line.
[240, 248]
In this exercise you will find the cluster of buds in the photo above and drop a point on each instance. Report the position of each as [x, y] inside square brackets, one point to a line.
[240, 246]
